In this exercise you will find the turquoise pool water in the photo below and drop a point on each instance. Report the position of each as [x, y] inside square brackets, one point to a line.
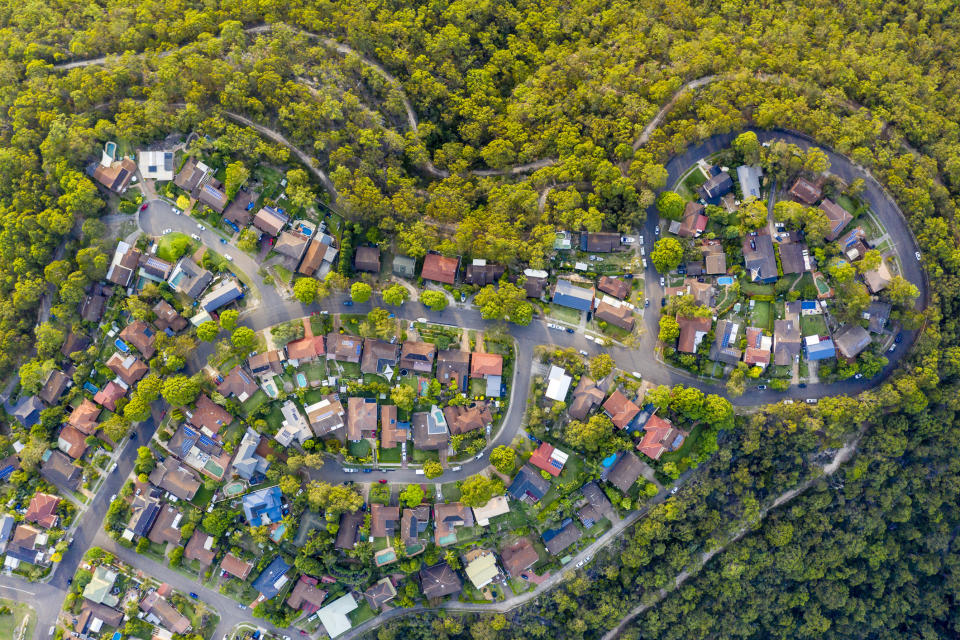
[725, 281]
[278, 532]
[386, 558]
[301, 380]
[608, 461]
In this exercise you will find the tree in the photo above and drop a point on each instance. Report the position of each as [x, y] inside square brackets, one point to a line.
[403, 396]
[237, 174]
[217, 521]
[332, 499]
[871, 260]
[395, 295]
[432, 469]
[360, 292]
[748, 147]
[305, 289]
[228, 319]
[752, 216]
[289, 485]
[244, 340]
[180, 390]
[145, 461]
[435, 300]
[248, 240]
[669, 329]
[592, 435]
[901, 292]
[208, 331]
[671, 204]
[601, 365]
[477, 490]
[412, 495]
[504, 459]
[667, 254]
[137, 410]
[505, 302]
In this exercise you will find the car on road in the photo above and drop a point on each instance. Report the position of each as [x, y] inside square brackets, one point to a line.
[419, 472]
[479, 456]
[584, 353]
[917, 255]
[167, 230]
[222, 241]
[761, 387]
[657, 230]
[144, 207]
[569, 330]
[858, 376]
[674, 490]
[347, 470]
[382, 481]
[195, 237]
[52, 629]
[457, 468]
[463, 297]
[644, 263]
[194, 596]
[788, 401]
[201, 227]
[579, 564]
[663, 282]
[69, 581]
[899, 338]
[177, 211]
[892, 348]
[802, 385]
[663, 302]
[348, 303]
[113, 468]
[113, 497]
[643, 250]
[422, 320]
[646, 302]
[368, 470]
[242, 607]
[811, 401]
[228, 257]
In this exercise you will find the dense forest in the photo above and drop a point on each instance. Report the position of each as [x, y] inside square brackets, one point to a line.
[479, 128]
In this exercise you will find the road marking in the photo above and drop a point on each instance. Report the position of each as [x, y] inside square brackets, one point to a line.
[29, 593]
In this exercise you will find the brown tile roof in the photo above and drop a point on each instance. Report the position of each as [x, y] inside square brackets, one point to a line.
[189, 175]
[361, 417]
[74, 343]
[620, 409]
[343, 347]
[179, 480]
[197, 548]
[238, 383]
[313, 258]
[212, 194]
[292, 244]
[56, 383]
[237, 212]
[716, 264]
[413, 523]
[439, 581]
[117, 176]
[805, 191]
[235, 566]
[128, 368]
[391, 435]
[485, 364]
[367, 259]
[452, 366]
[108, 396]
[383, 520]
[168, 318]
[305, 596]
[347, 534]
[464, 419]
[266, 362]
[838, 216]
[325, 415]
[43, 510]
[659, 436]
[620, 316]
[268, 221]
[422, 438]
[377, 355]
[170, 618]
[72, 442]
[209, 415]
[306, 348]
[140, 335]
[518, 556]
[693, 221]
[483, 274]
[380, 593]
[689, 327]
[600, 242]
[616, 287]
[122, 272]
[417, 356]
[440, 268]
[166, 528]
[586, 396]
[60, 470]
[625, 473]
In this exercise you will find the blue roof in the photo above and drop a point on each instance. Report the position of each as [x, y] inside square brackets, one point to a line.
[564, 300]
[222, 297]
[266, 582]
[6, 471]
[528, 482]
[263, 506]
[822, 350]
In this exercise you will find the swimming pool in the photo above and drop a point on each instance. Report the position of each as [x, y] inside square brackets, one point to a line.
[301, 380]
[607, 462]
[726, 281]
[120, 344]
[306, 230]
[89, 386]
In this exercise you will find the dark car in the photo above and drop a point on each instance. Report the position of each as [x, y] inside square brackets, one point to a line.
[348, 303]
[368, 470]
[802, 385]
[194, 596]
[133, 435]
[663, 302]
[69, 581]
[569, 330]
[222, 241]
[761, 387]
[899, 338]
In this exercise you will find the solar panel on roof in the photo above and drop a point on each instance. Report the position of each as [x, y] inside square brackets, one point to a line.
[556, 465]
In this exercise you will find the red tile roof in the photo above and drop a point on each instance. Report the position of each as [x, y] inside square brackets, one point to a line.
[440, 268]
[43, 510]
[486, 364]
[541, 459]
[620, 409]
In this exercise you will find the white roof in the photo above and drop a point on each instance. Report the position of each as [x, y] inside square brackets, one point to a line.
[559, 384]
[497, 506]
[535, 273]
[156, 165]
[334, 618]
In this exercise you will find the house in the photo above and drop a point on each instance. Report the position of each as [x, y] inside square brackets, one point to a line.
[27, 410]
[838, 216]
[292, 245]
[619, 315]
[819, 348]
[128, 368]
[325, 416]
[59, 470]
[344, 348]
[464, 419]
[439, 581]
[108, 396]
[597, 505]
[72, 442]
[200, 548]
[349, 532]
[272, 578]
[294, 425]
[319, 257]
[367, 259]
[413, 523]
[42, 510]
[758, 348]
[557, 540]
[805, 191]
[417, 356]
[199, 452]
[335, 616]
[794, 258]
[383, 520]
[164, 613]
[361, 418]
[558, 384]
[189, 278]
[535, 282]
[223, 294]
[496, 506]
[749, 178]
[440, 268]
[518, 556]
[599, 242]
[378, 355]
[208, 416]
[238, 211]
[23, 547]
[851, 339]
[238, 384]
[115, 175]
[692, 333]
[125, 261]
[392, 433]
[57, 382]
[7, 466]
[453, 368]
[481, 274]
[528, 486]
[236, 567]
[166, 528]
[694, 268]
[786, 342]
[703, 293]
[155, 269]
[100, 585]
[759, 258]
[191, 174]
[616, 287]
[380, 593]
[168, 318]
[625, 472]
[716, 187]
[143, 513]
[586, 396]
[93, 305]
[725, 337]
[446, 518]
[247, 462]
[878, 279]
[715, 263]
[549, 459]
[694, 222]
[94, 616]
[74, 343]
[659, 436]
[620, 409]
[404, 266]
[484, 365]
[181, 481]
[265, 364]
[567, 294]
[270, 221]
[430, 430]
[481, 567]
[305, 596]
[155, 165]
[877, 315]
[211, 193]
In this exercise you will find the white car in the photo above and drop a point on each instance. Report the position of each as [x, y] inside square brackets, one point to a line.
[113, 468]
[917, 256]
[479, 456]
[579, 564]
[195, 236]
[657, 230]
[422, 320]
[228, 257]
[113, 497]
[177, 211]
[167, 230]
[584, 353]
[644, 263]
[346, 470]
[456, 468]
[892, 348]
[663, 282]
[788, 401]
[811, 401]
[641, 240]
[201, 227]
[643, 251]
[419, 472]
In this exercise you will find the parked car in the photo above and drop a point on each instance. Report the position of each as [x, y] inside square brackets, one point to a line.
[646, 302]
[194, 596]
[144, 207]
[917, 256]
[811, 401]
[584, 353]
[348, 303]
[657, 230]
[368, 470]
[892, 348]
[222, 241]
[167, 230]
[382, 481]
[802, 385]
[761, 387]
[201, 227]
[858, 376]
[663, 302]
[569, 330]
[788, 401]
[195, 236]
[898, 339]
[228, 257]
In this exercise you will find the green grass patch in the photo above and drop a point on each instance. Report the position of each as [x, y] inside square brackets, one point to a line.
[316, 370]
[564, 314]
[756, 289]
[760, 316]
[389, 455]
[359, 449]
[349, 369]
[320, 324]
[478, 387]
[173, 245]
[420, 456]
[369, 378]
[313, 395]
[202, 499]
[813, 325]
[254, 402]
[20, 612]
[282, 273]
[685, 449]
[450, 491]
[361, 614]
[274, 418]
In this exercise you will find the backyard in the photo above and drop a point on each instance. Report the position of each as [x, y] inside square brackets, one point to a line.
[813, 325]
[9, 624]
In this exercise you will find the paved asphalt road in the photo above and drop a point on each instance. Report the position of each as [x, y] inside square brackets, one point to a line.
[47, 598]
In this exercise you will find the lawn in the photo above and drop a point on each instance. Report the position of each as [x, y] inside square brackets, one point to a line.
[313, 395]
[202, 498]
[565, 314]
[756, 289]
[351, 322]
[450, 491]
[275, 418]
[283, 274]
[316, 370]
[173, 245]
[390, 455]
[685, 449]
[359, 449]
[370, 378]
[813, 325]
[760, 316]
[687, 186]
[420, 456]
[478, 387]
[361, 614]
[320, 324]
[254, 402]
[9, 624]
